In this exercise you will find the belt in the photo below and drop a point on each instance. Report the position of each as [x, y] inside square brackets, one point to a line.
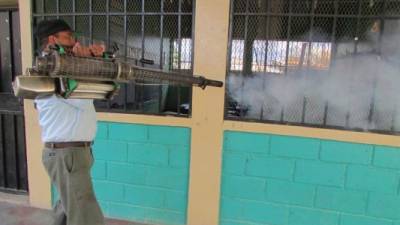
[68, 144]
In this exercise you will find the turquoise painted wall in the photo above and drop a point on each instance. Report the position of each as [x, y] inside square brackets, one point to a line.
[141, 172]
[274, 180]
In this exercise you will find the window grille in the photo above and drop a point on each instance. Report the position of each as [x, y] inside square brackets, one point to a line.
[320, 63]
[157, 30]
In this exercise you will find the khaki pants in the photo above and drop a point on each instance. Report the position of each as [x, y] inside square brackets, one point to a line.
[69, 171]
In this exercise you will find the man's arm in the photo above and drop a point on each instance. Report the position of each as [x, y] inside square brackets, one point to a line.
[83, 51]
[79, 104]
[92, 50]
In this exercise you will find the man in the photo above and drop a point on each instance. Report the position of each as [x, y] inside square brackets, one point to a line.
[68, 129]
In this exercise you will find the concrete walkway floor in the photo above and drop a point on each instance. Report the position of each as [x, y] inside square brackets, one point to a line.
[14, 210]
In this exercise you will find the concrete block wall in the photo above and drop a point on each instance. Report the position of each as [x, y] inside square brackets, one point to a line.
[141, 172]
[284, 180]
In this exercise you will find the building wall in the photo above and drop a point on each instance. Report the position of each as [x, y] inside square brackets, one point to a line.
[275, 179]
[204, 132]
[147, 169]
[141, 172]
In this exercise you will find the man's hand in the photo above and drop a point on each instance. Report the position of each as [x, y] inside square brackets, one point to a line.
[83, 51]
[97, 50]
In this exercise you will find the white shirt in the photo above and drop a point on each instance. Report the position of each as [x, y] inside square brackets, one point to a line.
[66, 120]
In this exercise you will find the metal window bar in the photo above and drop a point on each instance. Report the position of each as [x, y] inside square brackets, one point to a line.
[161, 52]
[179, 55]
[125, 50]
[245, 59]
[265, 60]
[311, 53]
[288, 36]
[73, 18]
[92, 11]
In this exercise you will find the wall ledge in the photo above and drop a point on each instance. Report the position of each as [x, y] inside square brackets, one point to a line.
[320, 133]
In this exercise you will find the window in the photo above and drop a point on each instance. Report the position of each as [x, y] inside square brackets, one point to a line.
[321, 63]
[158, 31]
[273, 59]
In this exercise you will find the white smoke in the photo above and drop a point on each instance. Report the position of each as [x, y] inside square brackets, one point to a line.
[359, 91]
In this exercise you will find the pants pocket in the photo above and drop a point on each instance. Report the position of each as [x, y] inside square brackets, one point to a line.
[82, 160]
[68, 160]
[49, 159]
[92, 157]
